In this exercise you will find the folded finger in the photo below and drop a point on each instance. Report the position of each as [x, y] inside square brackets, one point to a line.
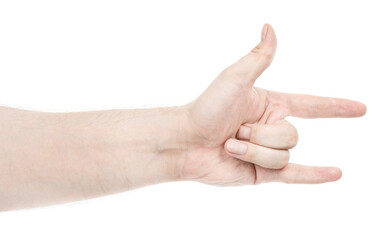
[262, 156]
[279, 135]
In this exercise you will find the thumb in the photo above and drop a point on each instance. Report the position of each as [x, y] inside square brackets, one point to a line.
[252, 65]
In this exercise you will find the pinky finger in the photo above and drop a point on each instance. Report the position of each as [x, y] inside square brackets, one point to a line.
[295, 173]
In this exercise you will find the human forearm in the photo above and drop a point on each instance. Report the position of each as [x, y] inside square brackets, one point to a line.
[233, 134]
[58, 157]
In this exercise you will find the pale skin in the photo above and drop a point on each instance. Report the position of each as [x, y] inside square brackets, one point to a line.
[233, 134]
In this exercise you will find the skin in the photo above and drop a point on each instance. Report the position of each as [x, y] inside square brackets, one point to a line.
[232, 134]
[231, 101]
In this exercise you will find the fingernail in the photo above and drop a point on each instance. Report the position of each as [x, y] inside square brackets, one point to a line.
[244, 133]
[236, 147]
[264, 32]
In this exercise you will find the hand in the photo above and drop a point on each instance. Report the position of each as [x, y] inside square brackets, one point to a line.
[239, 135]
[232, 134]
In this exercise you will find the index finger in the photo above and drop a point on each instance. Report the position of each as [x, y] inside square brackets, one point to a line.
[307, 106]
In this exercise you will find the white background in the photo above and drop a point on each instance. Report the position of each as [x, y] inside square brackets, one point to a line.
[90, 55]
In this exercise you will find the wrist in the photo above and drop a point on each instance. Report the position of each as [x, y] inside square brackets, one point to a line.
[173, 141]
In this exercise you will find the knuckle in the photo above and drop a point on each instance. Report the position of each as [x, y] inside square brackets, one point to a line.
[282, 160]
[254, 133]
[264, 55]
[287, 157]
[256, 50]
[293, 138]
[251, 154]
[266, 58]
[290, 136]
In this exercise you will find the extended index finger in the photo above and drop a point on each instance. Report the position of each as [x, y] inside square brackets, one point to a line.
[307, 106]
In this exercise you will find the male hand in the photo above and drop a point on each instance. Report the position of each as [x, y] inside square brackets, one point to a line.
[238, 131]
[232, 134]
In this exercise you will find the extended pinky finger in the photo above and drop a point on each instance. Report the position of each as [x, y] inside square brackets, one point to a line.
[295, 173]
